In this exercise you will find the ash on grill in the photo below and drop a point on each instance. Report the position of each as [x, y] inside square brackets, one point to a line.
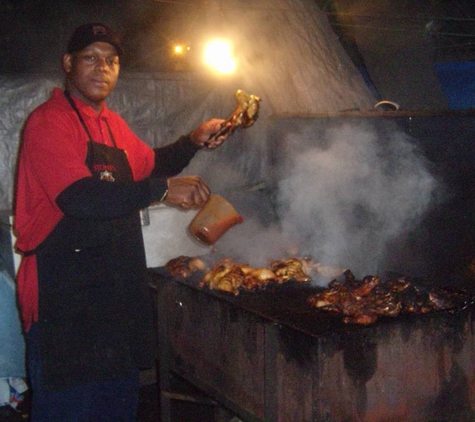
[357, 301]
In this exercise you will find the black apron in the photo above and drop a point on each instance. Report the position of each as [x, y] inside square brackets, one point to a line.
[95, 309]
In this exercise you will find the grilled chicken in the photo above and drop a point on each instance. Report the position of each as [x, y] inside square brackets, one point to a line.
[364, 301]
[289, 269]
[184, 266]
[244, 115]
[232, 277]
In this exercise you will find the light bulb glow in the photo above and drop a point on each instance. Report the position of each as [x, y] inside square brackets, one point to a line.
[219, 56]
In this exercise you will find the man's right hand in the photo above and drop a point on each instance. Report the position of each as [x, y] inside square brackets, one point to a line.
[187, 192]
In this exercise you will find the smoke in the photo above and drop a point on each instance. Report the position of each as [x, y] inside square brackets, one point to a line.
[341, 199]
[346, 202]
[253, 244]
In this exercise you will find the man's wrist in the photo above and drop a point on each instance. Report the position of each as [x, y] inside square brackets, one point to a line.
[192, 139]
[158, 189]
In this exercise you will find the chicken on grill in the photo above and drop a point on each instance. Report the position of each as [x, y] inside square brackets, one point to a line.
[364, 301]
[289, 269]
[232, 277]
[184, 266]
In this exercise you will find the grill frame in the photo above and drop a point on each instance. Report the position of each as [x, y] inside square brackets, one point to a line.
[267, 365]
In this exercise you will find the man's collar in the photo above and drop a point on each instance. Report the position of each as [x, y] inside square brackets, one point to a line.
[84, 108]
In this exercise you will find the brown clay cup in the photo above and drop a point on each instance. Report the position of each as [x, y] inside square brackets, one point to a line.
[213, 220]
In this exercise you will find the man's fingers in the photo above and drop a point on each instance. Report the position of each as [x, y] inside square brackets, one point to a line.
[187, 192]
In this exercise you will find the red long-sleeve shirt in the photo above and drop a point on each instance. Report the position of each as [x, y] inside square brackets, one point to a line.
[52, 158]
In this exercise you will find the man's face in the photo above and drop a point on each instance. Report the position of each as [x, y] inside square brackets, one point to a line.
[92, 73]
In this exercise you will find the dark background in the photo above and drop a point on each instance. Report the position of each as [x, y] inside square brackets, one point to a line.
[33, 33]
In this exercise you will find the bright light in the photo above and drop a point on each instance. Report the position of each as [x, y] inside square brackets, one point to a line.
[219, 55]
[180, 49]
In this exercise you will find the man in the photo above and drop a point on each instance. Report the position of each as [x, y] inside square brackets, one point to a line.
[82, 178]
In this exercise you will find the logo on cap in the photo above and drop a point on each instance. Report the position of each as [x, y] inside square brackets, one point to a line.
[93, 32]
[99, 30]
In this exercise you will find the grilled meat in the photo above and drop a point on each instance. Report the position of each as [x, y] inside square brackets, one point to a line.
[258, 278]
[212, 277]
[291, 268]
[232, 277]
[366, 286]
[364, 301]
[357, 301]
[184, 266]
[230, 281]
[244, 115]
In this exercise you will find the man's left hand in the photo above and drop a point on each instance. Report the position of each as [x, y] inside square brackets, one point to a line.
[208, 133]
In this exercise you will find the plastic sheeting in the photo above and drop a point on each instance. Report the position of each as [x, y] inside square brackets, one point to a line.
[289, 56]
[158, 108]
[288, 51]
[12, 344]
[18, 96]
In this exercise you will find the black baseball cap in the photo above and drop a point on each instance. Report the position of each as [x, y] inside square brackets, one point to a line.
[89, 33]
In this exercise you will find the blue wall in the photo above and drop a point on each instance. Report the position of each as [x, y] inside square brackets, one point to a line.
[458, 83]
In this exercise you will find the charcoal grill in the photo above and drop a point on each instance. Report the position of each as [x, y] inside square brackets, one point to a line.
[267, 356]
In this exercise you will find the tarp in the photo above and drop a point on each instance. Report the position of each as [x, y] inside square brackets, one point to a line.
[158, 107]
[288, 55]
[12, 344]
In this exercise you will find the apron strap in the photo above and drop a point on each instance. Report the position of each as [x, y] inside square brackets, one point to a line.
[83, 123]
[73, 105]
[110, 132]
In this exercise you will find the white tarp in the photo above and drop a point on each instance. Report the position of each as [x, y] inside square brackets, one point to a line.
[290, 54]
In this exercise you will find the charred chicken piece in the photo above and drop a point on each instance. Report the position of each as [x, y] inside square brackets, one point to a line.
[212, 277]
[258, 278]
[333, 299]
[398, 285]
[349, 277]
[365, 287]
[364, 301]
[226, 275]
[289, 269]
[230, 276]
[443, 298]
[244, 115]
[231, 281]
[184, 266]
[384, 304]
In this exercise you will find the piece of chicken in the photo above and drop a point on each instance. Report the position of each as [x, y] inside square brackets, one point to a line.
[231, 281]
[230, 276]
[289, 269]
[214, 277]
[211, 278]
[258, 278]
[184, 266]
[244, 115]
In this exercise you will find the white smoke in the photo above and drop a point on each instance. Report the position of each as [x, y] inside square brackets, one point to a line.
[341, 199]
[347, 201]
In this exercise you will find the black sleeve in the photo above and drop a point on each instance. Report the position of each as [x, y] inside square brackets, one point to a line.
[102, 200]
[173, 158]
